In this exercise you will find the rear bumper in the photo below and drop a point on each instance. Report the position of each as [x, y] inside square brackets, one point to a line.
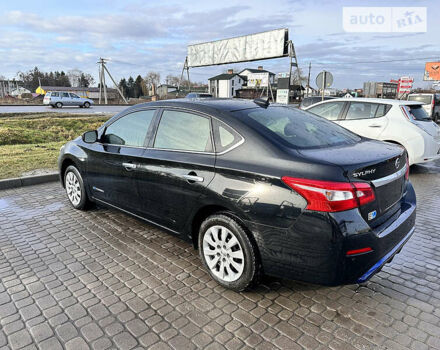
[314, 248]
[387, 258]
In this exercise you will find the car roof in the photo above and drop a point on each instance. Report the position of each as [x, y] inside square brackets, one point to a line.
[371, 100]
[203, 104]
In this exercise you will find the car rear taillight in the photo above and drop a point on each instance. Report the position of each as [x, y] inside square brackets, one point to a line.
[406, 113]
[331, 196]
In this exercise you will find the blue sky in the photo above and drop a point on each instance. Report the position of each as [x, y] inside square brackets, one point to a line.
[143, 36]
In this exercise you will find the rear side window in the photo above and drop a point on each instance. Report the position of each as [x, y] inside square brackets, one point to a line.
[330, 110]
[183, 131]
[64, 94]
[296, 128]
[366, 110]
[54, 94]
[225, 137]
[130, 130]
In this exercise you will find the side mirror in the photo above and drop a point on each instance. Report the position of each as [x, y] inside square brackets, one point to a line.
[90, 136]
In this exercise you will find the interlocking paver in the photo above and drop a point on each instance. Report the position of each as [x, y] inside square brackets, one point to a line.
[101, 279]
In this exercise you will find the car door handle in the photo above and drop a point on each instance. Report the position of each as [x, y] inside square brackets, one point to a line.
[375, 126]
[193, 178]
[129, 166]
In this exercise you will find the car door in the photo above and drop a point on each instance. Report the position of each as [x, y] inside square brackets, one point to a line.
[365, 118]
[112, 162]
[176, 168]
[75, 100]
[65, 99]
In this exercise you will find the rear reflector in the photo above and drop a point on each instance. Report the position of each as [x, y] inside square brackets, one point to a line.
[407, 168]
[331, 196]
[359, 251]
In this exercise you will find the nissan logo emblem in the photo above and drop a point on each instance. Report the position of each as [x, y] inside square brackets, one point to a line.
[397, 163]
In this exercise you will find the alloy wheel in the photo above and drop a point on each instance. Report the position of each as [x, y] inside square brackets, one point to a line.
[73, 188]
[223, 253]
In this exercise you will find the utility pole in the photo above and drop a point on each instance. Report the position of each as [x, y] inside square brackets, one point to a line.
[102, 87]
[308, 79]
[292, 56]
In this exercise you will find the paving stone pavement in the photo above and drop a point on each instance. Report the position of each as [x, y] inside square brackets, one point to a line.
[101, 279]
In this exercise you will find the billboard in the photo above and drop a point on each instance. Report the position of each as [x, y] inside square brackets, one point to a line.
[258, 79]
[260, 46]
[432, 71]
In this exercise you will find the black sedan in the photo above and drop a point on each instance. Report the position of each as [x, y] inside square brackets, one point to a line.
[257, 188]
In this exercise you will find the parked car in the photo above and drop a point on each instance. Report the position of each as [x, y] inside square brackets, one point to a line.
[431, 104]
[401, 122]
[58, 99]
[311, 100]
[198, 95]
[257, 188]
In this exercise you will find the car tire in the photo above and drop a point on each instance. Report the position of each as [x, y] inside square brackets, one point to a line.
[437, 118]
[75, 190]
[227, 252]
[86, 104]
[58, 105]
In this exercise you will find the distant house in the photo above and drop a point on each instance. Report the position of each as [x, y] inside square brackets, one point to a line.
[89, 92]
[257, 74]
[226, 85]
[19, 91]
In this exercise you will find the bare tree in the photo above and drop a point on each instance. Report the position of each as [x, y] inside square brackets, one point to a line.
[152, 78]
[172, 80]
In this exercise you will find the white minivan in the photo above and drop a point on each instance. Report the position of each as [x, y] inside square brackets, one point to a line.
[402, 122]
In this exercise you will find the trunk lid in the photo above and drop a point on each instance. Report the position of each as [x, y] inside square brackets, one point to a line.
[380, 164]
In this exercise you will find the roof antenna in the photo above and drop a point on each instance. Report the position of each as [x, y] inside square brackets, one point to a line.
[262, 102]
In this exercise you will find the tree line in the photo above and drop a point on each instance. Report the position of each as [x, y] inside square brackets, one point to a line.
[135, 88]
[35, 77]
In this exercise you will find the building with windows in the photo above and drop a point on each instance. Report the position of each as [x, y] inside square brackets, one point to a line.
[226, 85]
[254, 77]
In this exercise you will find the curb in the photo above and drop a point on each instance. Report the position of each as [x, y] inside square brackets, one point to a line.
[28, 181]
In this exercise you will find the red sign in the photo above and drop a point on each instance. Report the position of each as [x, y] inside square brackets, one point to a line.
[405, 84]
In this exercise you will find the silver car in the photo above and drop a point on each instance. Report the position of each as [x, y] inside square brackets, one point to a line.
[58, 99]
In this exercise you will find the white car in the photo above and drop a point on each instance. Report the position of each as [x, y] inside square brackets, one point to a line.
[403, 122]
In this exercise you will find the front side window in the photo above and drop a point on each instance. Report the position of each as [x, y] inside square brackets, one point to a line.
[130, 130]
[183, 131]
[296, 128]
[330, 111]
[74, 95]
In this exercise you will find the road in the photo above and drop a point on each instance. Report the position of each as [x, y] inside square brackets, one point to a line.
[102, 279]
[99, 109]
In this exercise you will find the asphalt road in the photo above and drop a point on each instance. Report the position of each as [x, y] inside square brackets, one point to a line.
[103, 280]
[38, 109]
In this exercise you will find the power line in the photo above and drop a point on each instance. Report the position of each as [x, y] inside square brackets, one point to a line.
[380, 61]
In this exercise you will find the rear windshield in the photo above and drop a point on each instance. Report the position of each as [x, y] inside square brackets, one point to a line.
[426, 99]
[418, 113]
[296, 128]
